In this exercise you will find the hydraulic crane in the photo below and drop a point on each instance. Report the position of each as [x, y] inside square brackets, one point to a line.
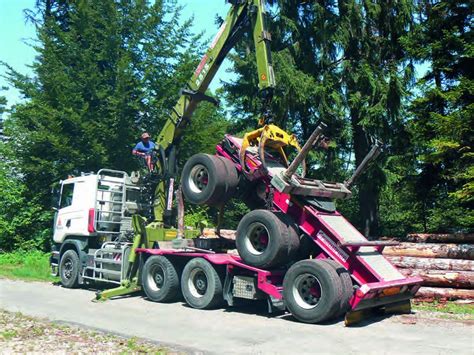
[244, 16]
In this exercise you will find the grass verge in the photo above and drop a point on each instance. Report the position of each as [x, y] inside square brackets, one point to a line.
[454, 309]
[26, 265]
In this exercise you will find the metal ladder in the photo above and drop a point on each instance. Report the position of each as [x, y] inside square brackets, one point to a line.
[104, 261]
[110, 203]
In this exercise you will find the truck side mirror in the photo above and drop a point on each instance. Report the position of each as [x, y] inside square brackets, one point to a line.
[55, 192]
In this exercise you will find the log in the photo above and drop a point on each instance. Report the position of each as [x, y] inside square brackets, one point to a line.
[440, 278]
[410, 262]
[225, 233]
[441, 238]
[432, 250]
[444, 293]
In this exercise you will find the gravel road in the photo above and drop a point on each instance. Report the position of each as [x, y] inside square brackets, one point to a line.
[242, 330]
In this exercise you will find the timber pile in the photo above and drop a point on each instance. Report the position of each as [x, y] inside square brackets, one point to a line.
[445, 262]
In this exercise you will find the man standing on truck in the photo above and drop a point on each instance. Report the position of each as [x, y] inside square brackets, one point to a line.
[144, 149]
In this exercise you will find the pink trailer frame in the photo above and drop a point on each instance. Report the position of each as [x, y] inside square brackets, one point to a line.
[377, 281]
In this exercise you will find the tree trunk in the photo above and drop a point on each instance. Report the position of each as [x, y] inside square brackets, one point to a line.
[430, 250]
[441, 238]
[444, 293]
[409, 262]
[455, 279]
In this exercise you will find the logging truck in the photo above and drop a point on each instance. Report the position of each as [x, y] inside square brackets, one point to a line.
[293, 249]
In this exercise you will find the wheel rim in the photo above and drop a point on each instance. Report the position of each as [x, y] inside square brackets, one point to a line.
[68, 268]
[198, 178]
[257, 238]
[307, 291]
[156, 277]
[197, 283]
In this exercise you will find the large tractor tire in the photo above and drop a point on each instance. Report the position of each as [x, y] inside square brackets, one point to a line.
[265, 239]
[201, 284]
[203, 180]
[312, 291]
[308, 248]
[69, 269]
[160, 279]
[231, 179]
[347, 286]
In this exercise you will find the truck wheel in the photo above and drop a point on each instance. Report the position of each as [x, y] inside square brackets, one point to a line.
[266, 239]
[203, 180]
[293, 237]
[160, 279]
[201, 284]
[347, 287]
[231, 180]
[312, 291]
[308, 248]
[69, 269]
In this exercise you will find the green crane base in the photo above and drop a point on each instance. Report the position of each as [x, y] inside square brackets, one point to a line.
[126, 288]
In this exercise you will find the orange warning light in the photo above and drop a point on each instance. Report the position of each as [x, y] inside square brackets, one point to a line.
[263, 76]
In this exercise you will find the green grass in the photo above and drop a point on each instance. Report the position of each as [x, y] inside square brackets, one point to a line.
[447, 307]
[31, 265]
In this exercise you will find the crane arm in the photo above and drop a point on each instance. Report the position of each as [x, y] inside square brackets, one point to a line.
[244, 15]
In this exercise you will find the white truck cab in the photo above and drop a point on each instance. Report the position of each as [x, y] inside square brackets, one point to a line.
[92, 221]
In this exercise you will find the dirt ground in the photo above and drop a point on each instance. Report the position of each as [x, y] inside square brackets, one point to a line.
[22, 334]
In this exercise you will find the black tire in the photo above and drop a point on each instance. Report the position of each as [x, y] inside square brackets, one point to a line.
[69, 269]
[266, 239]
[293, 236]
[201, 285]
[252, 195]
[347, 286]
[231, 180]
[308, 248]
[304, 282]
[160, 279]
[203, 180]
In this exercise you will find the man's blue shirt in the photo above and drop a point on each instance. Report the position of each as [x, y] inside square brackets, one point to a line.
[144, 147]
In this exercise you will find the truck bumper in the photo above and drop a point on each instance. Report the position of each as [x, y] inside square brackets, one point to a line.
[382, 298]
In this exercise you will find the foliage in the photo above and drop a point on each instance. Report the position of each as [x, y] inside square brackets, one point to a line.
[26, 265]
[22, 220]
[207, 127]
[105, 71]
[443, 116]
[340, 62]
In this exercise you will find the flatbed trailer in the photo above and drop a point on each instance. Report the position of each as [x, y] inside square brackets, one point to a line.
[341, 273]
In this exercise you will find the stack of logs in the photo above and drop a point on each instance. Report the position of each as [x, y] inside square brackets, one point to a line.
[444, 261]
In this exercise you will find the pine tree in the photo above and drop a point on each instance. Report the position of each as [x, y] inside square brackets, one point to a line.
[443, 115]
[341, 62]
[105, 72]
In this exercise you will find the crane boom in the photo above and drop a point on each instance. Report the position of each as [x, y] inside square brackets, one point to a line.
[244, 15]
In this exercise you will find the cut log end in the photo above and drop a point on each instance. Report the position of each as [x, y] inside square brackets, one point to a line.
[431, 250]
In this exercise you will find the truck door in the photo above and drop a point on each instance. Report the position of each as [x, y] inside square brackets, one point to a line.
[72, 215]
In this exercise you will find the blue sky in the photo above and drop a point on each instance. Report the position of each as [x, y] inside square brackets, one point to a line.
[15, 34]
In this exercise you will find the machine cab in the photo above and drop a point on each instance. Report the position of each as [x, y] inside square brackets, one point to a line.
[95, 204]
[76, 198]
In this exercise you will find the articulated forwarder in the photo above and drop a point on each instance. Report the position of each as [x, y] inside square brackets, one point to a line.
[294, 249]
